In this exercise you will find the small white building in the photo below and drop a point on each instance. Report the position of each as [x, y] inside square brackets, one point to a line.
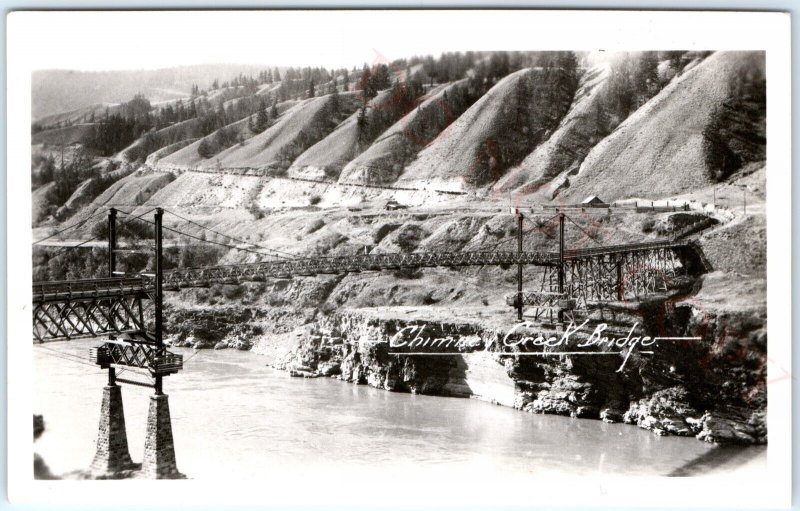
[593, 201]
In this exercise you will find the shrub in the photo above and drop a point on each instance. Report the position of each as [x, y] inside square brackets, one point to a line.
[409, 238]
[316, 199]
[327, 308]
[648, 224]
[408, 273]
[331, 172]
[256, 210]
[233, 292]
[315, 226]
[193, 256]
[383, 231]
[428, 299]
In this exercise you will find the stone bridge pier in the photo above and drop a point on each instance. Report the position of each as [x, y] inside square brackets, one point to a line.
[112, 458]
[159, 448]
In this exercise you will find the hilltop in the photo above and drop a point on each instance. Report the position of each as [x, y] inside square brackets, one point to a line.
[54, 91]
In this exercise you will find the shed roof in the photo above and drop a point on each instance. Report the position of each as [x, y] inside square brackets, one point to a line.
[593, 199]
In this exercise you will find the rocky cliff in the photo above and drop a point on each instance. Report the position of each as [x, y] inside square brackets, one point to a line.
[713, 389]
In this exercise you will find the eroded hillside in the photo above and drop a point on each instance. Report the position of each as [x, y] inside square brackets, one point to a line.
[673, 144]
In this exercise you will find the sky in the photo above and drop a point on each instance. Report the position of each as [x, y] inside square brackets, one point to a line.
[111, 40]
[147, 40]
[85, 40]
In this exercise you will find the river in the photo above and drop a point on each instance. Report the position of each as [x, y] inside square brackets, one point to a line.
[232, 415]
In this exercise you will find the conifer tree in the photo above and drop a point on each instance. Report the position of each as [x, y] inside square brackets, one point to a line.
[262, 119]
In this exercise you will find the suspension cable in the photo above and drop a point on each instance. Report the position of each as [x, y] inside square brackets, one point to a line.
[70, 247]
[64, 356]
[292, 256]
[76, 224]
[176, 231]
[590, 236]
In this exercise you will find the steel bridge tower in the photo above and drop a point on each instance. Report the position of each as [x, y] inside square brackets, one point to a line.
[137, 349]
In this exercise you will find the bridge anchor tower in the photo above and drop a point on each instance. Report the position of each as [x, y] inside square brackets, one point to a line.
[136, 348]
[159, 448]
[111, 455]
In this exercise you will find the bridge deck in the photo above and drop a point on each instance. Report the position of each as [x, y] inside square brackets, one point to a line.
[84, 288]
[284, 268]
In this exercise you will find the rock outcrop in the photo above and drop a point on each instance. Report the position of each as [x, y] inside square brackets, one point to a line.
[710, 389]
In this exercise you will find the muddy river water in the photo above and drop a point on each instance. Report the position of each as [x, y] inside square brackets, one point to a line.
[232, 416]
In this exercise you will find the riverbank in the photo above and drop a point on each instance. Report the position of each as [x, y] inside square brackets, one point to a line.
[712, 387]
[706, 388]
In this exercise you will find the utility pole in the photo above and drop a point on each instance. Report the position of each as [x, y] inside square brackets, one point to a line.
[159, 294]
[561, 262]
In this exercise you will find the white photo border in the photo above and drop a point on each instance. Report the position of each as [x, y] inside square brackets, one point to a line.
[501, 30]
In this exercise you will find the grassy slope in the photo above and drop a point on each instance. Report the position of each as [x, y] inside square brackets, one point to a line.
[66, 135]
[176, 129]
[658, 150]
[475, 142]
[39, 202]
[384, 160]
[299, 128]
[568, 145]
[332, 153]
[212, 192]
[155, 156]
[188, 157]
[77, 115]
[128, 192]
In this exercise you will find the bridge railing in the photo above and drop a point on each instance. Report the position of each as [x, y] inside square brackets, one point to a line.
[356, 263]
[630, 247]
[329, 265]
[44, 290]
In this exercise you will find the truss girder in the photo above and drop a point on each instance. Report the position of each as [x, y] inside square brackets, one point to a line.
[79, 317]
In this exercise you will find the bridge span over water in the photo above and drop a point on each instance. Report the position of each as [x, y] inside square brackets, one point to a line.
[120, 308]
[95, 307]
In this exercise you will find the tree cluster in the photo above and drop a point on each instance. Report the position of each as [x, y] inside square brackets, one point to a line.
[222, 139]
[541, 99]
[735, 135]
[634, 79]
[374, 120]
[371, 81]
[68, 177]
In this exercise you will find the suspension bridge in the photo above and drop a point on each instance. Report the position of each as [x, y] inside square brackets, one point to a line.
[119, 306]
